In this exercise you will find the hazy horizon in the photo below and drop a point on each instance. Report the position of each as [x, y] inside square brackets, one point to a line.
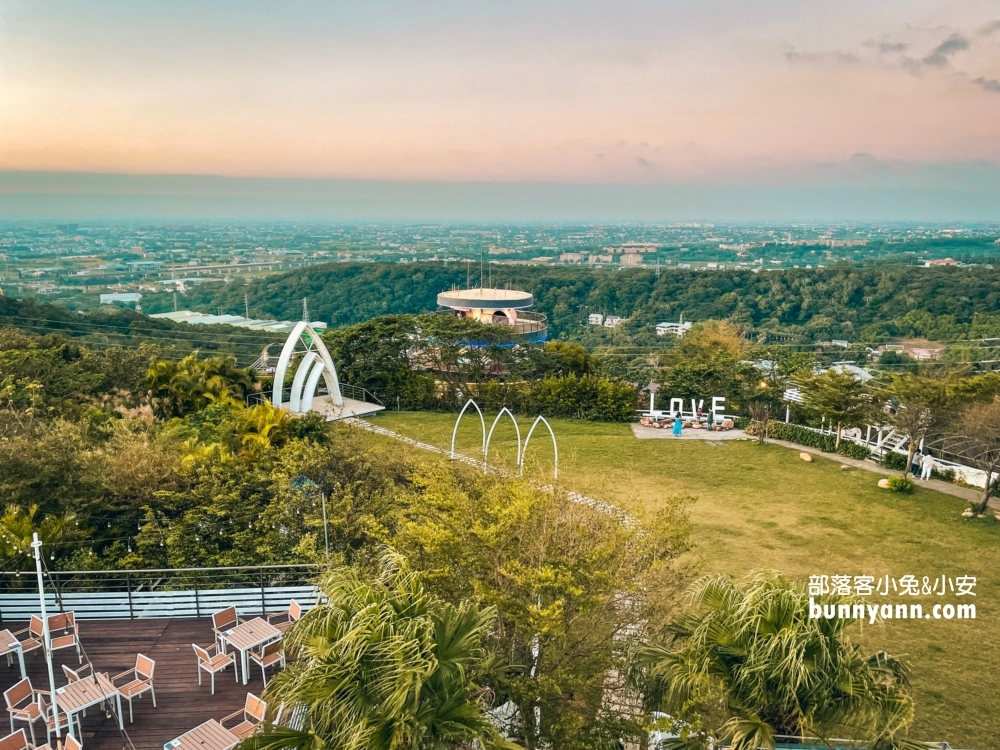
[930, 195]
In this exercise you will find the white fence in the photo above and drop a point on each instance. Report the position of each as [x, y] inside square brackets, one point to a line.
[133, 594]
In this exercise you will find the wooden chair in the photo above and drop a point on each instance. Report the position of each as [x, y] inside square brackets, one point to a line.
[224, 620]
[141, 681]
[75, 675]
[18, 741]
[50, 724]
[269, 655]
[252, 714]
[35, 635]
[292, 615]
[20, 700]
[63, 633]
[213, 663]
[71, 743]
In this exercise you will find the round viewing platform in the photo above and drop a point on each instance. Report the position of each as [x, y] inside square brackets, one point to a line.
[506, 307]
[473, 299]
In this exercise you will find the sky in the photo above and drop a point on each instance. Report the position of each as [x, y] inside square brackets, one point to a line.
[456, 109]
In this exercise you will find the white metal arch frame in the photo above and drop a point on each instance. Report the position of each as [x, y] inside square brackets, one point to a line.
[486, 450]
[555, 446]
[316, 358]
[482, 421]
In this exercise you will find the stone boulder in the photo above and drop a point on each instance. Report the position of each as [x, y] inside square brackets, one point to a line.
[807, 457]
[883, 483]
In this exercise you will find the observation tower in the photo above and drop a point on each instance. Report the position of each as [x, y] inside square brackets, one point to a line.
[506, 307]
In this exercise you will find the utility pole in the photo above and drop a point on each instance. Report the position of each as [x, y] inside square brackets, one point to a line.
[246, 304]
[36, 544]
[305, 310]
[175, 300]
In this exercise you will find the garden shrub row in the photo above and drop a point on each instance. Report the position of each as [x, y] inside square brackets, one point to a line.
[794, 433]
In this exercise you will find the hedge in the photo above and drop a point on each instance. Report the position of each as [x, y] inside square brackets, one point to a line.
[580, 397]
[794, 433]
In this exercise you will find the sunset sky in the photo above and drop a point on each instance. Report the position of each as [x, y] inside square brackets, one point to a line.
[766, 94]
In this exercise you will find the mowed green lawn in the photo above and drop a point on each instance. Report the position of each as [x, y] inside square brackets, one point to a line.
[762, 507]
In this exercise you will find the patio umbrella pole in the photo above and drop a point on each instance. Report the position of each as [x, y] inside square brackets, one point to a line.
[46, 637]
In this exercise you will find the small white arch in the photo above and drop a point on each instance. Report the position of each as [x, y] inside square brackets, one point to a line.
[555, 446]
[295, 398]
[311, 383]
[486, 450]
[454, 432]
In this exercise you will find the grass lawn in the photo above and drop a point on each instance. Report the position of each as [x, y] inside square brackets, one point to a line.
[762, 507]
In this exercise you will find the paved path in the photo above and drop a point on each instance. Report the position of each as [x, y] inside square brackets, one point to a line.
[932, 484]
[666, 433]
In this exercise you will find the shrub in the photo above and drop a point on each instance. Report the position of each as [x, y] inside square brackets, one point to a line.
[893, 460]
[794, 433]
[901, 484]
[847, 448]
[947, 475]
[742, 423]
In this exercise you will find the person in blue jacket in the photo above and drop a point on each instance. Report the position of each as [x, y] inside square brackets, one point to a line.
[678, 425]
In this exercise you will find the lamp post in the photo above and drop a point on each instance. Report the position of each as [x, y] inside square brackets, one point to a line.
[36, 544]
[326, 530]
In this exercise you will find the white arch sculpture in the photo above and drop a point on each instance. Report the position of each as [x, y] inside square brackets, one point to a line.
[454, 432]
[486, 451]
[316, 362]
[555, 446]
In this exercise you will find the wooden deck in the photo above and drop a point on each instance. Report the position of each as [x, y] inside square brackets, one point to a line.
[112, 646]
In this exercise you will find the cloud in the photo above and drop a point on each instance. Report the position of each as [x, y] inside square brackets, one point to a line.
[846, 58]
[939, 55]
[990, 28]
[644, 163]
[987, 84]
[886, 47]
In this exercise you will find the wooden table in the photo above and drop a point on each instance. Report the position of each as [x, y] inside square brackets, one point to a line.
[87, 692]
[247, 636]
[8, 645]
[208, 736]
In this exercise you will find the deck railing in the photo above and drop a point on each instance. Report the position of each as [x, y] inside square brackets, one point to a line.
[166, 592]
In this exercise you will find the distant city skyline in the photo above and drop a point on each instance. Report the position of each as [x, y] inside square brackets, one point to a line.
[628, 110]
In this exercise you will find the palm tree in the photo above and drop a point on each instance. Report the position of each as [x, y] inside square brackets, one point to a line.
[755, 657]
[182, 387]
[16, 528]
[382, 666]
[264, 427]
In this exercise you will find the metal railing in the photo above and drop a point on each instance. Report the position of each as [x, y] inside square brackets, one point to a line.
[347, 390]
[160, 592]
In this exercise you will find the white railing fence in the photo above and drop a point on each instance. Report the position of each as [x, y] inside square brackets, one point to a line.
[182, 592]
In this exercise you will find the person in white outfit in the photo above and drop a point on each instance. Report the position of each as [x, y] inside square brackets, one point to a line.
[926, 466]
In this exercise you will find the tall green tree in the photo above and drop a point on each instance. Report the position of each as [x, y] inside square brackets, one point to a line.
[918, 404]
[838, 396]
[382, 665]
[748, 665]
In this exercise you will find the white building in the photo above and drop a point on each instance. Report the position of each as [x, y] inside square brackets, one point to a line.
[107, 299]
[595, 319]
[677, 329]
[613, 321]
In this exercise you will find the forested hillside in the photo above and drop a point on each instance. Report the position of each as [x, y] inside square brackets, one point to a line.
[117, 327]
[859, 304]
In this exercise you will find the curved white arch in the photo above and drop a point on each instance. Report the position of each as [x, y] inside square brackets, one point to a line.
[295, 398]
[454, 432]
[555, 446]
[486, 450]
[303, 390]
[311, 382]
